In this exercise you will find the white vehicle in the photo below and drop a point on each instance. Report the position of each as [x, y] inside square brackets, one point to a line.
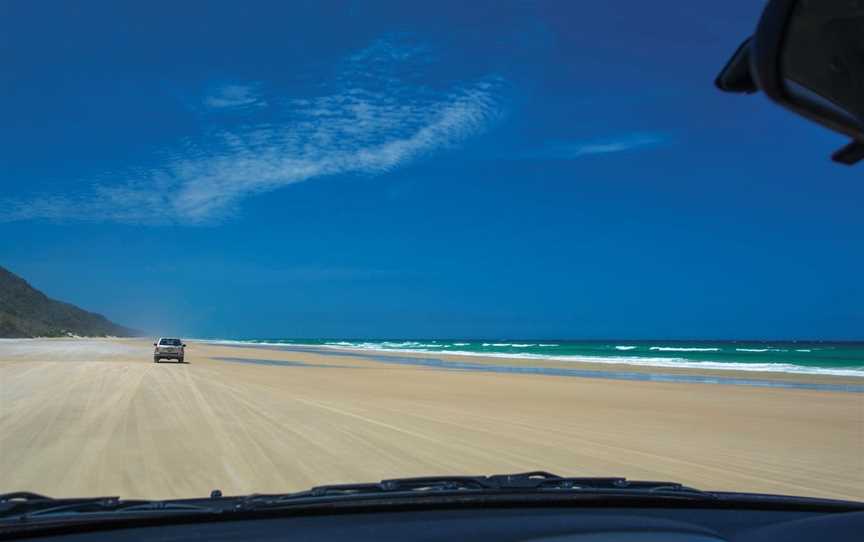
[167, 348]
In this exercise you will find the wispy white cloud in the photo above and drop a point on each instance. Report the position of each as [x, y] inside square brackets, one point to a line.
[235, 96]
[570, 150]
[370, 119]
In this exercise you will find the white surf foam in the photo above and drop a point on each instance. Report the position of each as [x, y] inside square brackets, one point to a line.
[682, 349]
[668, 362]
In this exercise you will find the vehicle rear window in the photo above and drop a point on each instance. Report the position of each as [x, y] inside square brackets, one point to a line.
[170, 342]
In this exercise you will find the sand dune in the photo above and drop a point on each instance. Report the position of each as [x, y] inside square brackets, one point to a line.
[88, 417]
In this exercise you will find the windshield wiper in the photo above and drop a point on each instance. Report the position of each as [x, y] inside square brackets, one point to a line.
[537, 482]
[24, 506]
[24, 510]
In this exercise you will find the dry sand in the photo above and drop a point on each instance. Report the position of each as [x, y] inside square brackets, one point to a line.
[97, 417]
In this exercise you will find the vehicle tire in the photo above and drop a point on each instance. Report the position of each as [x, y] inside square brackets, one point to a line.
[180, 360]
[155, 359]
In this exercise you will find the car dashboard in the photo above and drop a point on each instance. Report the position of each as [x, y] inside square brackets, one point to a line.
[547, 524]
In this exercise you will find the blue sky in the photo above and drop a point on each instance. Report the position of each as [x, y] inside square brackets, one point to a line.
[386, 169]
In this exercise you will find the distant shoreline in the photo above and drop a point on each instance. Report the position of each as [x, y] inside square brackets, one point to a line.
[584, 368]
[843, 360]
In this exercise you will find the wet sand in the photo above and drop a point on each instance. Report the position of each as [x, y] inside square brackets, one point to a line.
[88, 417]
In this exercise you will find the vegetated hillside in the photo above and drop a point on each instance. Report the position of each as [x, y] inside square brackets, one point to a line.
[27, 312]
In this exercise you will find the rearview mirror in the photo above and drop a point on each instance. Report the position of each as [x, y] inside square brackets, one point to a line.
[808, 56]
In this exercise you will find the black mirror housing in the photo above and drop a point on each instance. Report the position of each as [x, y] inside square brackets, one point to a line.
[806, 56]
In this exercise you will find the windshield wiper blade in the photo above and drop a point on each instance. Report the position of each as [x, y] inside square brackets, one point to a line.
[536, 482]
[23, 506]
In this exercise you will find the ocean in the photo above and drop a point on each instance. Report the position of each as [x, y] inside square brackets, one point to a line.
[805, 357]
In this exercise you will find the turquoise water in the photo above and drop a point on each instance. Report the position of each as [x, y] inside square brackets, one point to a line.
[837, 358]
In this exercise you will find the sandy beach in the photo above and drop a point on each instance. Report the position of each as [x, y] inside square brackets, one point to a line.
[98, 417]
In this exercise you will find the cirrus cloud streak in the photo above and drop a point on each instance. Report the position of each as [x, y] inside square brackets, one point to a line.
[370, 119]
